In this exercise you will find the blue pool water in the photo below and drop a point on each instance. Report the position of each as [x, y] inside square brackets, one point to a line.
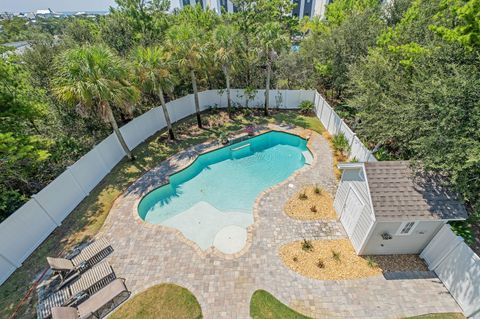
[226, 181]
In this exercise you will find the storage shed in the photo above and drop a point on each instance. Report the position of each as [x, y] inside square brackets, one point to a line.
[389, 208]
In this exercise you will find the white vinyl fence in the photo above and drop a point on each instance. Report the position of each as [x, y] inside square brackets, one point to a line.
[334, 124]
[458, 267]
[23, 231]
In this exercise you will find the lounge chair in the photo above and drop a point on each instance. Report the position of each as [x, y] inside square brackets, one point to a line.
[77, 290]
[65, 267]
[97, 305]
[80, 259]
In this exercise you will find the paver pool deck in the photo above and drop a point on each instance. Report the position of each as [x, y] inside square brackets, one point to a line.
[146, 255]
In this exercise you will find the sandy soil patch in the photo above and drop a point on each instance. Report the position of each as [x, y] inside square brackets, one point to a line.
[327, 260]
[311, 203]
[338, 157]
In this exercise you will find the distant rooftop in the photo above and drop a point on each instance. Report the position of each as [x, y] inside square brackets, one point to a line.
[44, 11]
[398, 191]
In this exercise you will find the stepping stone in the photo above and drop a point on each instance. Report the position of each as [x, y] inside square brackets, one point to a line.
[230, 239]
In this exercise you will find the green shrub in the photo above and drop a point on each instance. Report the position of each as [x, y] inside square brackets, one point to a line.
[302, 195]
[320, 264]
[307, 245]
[336, 255]
[340, 143]
[306, 107]
[464, 229]
[383, 154]
[371, 262]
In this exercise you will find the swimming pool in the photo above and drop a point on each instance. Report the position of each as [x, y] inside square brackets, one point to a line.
[211, 201]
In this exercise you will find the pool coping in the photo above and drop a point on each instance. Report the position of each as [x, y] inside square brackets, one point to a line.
[212, 145]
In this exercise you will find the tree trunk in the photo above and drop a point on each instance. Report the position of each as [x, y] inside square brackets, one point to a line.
[209, 81]
[267, 88]
[227, 80]
[113, 122]
[165, 113]
[195, 94]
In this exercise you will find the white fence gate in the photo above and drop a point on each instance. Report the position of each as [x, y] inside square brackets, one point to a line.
[458, 267]
[23, 231]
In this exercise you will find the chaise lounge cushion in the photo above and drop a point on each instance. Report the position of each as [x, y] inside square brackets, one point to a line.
[64, 313]
[60, 264]
[101, 298]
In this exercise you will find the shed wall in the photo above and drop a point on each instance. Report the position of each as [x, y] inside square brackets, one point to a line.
[401, 244]
[355, 179]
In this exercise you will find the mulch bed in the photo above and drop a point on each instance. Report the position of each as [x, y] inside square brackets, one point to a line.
[320, 262]
[311, 206]
[337, 260]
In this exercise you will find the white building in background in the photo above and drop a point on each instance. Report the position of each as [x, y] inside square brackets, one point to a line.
[46, 13]
[216, 5]
[309, 8]
[304, 8]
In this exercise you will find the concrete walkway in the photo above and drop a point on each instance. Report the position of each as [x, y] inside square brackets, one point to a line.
[147, 255]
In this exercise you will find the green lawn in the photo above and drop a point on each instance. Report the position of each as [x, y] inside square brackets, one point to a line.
[87, 219]
[439, 316]
[265, 306]
[165, 301]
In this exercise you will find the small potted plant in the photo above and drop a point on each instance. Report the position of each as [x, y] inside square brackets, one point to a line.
[250, 129]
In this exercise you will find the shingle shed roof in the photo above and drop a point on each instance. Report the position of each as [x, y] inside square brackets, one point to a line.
[398, 193]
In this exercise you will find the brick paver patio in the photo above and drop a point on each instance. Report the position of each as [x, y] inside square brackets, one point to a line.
[151, 254]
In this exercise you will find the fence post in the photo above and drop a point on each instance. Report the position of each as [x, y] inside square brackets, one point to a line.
[369, 154]
[34, 196]
[351, 143]
[338, 128]
[353, 138]
[76, 181]
[448, 253]
[329, 117]
[321, 111]
[9, 262]
[101, 158]
[438, 262]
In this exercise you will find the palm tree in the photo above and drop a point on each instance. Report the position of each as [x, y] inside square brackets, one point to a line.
[188, 48]
[152, 66]
[94, 79]
[224, 40]
[272, 38]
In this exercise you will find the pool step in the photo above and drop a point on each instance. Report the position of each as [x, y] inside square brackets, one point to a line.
[240, 147]
[308, 157]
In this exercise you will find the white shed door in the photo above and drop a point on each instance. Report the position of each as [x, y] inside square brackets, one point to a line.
[351, 211]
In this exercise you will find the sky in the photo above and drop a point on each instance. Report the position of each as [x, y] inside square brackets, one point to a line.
[55, 5]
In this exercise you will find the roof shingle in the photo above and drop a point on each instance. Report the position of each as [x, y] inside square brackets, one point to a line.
[398, 192]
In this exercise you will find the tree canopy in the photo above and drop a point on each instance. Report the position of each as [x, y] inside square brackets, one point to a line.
[404, 75]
